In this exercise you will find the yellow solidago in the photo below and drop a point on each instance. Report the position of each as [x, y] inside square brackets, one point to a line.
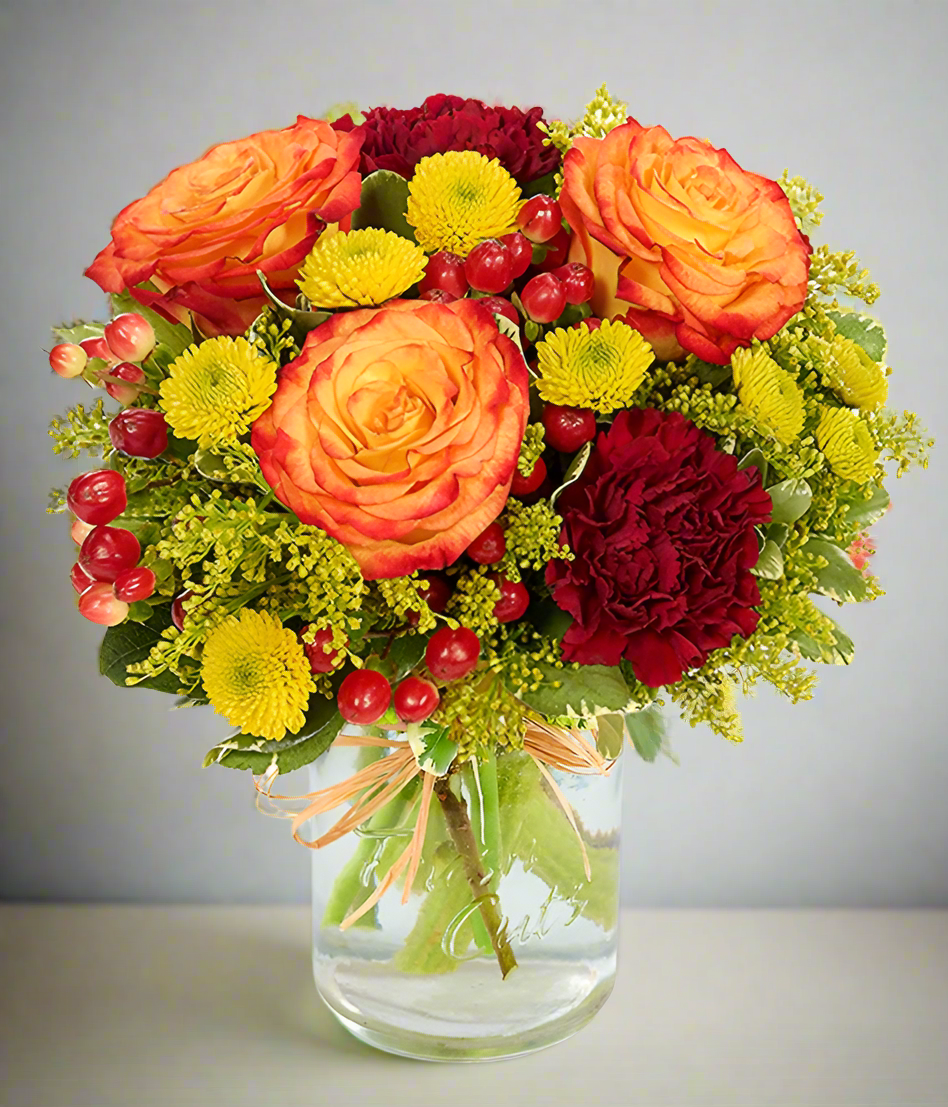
[457, 199]
[256, 675]
[360, 268]
[216, 390]
[599, 369]
[769, 392]
[854, 376]
[846, 444]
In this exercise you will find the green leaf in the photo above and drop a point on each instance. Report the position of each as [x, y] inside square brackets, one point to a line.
[839, 578]
[585, 691]
[756, 459]
[610, 734]
[791, 499]
[532, 330]
[181, 448]
[130, 642]
[211, 465]
[323, 723]
[865, 512]
[171, 338]
[78, 330]
[549, 619]
[509, 328]
[433, 749]
[647, 731]
[545, 184]
[862, 329]
[383, 204]
[777, 533]
[574, 472]
[302, 753]
[139, 611]
[840, 651]
[303, 321]
[710, 374]
[770, 563]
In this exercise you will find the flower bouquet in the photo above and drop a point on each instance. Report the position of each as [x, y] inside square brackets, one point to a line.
[451, 446]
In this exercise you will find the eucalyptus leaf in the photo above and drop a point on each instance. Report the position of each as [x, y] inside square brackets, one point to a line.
[862, 329]
[754, 459]
[574, 472]
[383, 204]
[865, 512]
[586, 691]
[791, 499]
[777, 533]
[131, 642]
[770, 563]
[839, 578]
[647, 731]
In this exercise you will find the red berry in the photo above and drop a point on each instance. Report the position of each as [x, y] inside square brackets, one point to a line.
[556, 250]
[135, 584]
[67, 359]
[445, 271]
[578, 281]
[139, 432]
[489, 546]
[568, 428]
[99, 605]
[544, 298]
[415, 699]
[321, 658]
[79, 530]
[521, 251]
[523, 486]
[452, 654]
[125, 393]
[540, 218]
[98, 347]
[438, 296]
[108, 551]
[497, 305]
[435, 591]
[363, 697]
[489, 266]
[177, 608]
[130, 336]
[97, 497]
[591, 323]
[80, 578]
[514, 599]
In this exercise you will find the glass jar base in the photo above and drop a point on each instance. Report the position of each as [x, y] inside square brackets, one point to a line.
[377, 1008]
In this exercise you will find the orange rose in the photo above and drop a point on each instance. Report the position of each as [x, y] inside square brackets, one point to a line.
[259, 203]
[397, 430]
[691, 250]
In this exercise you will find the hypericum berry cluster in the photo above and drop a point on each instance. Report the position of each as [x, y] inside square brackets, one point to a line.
[107, 574]
[128, 339]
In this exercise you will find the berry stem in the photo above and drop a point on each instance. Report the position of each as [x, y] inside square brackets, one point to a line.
[104, 375]
[459, 827]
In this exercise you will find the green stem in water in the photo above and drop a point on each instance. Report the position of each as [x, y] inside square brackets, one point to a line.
[459, 827]
[485, 825]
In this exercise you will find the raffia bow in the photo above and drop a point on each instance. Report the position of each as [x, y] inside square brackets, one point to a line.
[372, 787]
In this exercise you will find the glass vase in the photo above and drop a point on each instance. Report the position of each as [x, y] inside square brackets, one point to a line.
[507, 941]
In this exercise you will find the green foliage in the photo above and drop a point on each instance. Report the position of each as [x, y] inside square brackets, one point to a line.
[531, 448]
[770, 563]
[791, 499]
[323, 723]
[129, 643]
[532, 534]
[383, 204]
[836, 575]
[78, 330]
[82, 431]
[647, 731]
[577, 692]
[862, 329]
[171, 338]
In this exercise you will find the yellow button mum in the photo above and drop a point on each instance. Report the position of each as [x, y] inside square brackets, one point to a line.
[599, 369]
[847, 445]
[360, 268]
[769, 392]
[215, 391]
[458, 199]
[256, 675]
[854, 376]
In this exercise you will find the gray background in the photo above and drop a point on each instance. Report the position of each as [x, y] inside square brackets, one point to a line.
[838, 801]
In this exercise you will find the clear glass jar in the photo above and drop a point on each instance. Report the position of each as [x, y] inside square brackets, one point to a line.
[504, 945]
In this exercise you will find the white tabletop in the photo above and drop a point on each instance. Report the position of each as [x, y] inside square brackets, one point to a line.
[135, 1006]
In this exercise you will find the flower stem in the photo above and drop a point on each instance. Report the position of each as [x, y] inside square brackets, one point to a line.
[459, 827]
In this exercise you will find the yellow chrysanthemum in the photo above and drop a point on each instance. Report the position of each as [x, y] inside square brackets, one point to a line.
[256, 675]
[458, 199]
[855, 377]
[847, 445]
[769, 392]
[360, 268]
[215, 391]
[598, 369]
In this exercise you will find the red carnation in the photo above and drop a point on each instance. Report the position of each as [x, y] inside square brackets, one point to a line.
[398, 139]
[662, 527]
